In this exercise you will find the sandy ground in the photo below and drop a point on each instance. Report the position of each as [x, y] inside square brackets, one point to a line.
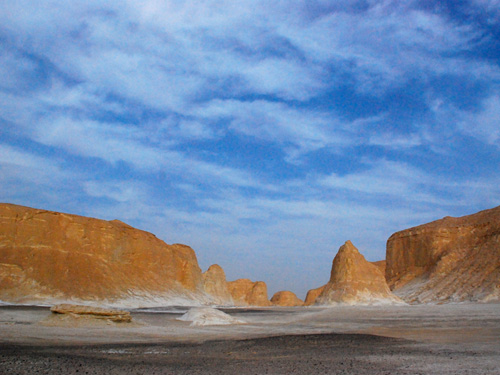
[430, 339]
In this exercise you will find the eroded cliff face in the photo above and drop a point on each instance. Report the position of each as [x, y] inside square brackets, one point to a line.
[215, 284]
[354, 281]
[286, 298]
[46, 257]
[246, 292]
[452, 259]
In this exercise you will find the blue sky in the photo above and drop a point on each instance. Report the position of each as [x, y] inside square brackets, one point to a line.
[262, 134]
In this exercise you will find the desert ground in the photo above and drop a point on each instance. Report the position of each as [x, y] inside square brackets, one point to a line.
[423, 339]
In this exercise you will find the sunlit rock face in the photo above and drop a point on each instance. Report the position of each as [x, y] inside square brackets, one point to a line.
[380, 264]
[312, 295]
[354, 281]
[50, 257]
[246, 292]
[286, 298]
[215, 285]
[452, 259]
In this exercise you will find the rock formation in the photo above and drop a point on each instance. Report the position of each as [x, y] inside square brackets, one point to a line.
[248, 293]
[312, 295]
[115, 316]
[380, 264]
[354, 280]
[51, 257]
[452, 259]
[215, 284]
[286, 298]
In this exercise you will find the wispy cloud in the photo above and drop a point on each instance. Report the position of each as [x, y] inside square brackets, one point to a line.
[258, 132]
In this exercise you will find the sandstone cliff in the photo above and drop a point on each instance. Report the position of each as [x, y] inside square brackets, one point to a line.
[286, 298]
[381, 264]
[215, 285]
[354, 280]
[50, 257]
[452, 259]
[248, 293]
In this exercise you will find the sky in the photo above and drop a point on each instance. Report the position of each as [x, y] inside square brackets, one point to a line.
[264, 134]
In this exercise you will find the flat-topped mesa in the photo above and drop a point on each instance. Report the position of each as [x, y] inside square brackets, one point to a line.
[245, 292]
[215, 284]
[354, 280]
[286, 298]
[447, 260]
[51, 257]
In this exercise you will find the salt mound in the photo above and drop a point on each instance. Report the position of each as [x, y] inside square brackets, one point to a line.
[207, 316]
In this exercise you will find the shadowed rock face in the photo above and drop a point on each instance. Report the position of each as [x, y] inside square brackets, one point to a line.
[215, 284]
[248, 293]
[312, 295]
[354, 280]
[452, 259]
[286, 298]
[49, 256]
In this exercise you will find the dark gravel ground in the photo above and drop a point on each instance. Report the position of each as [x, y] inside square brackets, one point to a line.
[295, 354]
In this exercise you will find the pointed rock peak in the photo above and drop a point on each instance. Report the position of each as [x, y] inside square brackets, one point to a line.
[354, 280]
[348, 247]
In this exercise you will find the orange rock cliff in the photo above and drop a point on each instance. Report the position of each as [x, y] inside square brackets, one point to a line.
[452, 259]
[46, 257]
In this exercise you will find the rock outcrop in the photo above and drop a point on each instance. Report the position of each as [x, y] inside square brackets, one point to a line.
[51, 257]
[245, 292]
[354, 280]
[312, 295]
[215, 284]
[452, 259]
[381, 264]
[286, 298]
[77, 311]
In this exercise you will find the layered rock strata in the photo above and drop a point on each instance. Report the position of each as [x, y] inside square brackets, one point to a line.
[50, 257]
[246, 292]
[354, 280]
[452, 259]
[286, 298]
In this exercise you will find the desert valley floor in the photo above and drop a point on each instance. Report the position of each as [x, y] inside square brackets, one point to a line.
[424, 339]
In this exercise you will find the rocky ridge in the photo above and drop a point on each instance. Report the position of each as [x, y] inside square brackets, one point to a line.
[448, 260]
[52, 257]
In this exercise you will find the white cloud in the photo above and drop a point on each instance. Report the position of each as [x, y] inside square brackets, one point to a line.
[304, 129]
[120, 191]
[31, 179]
[483, 124]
